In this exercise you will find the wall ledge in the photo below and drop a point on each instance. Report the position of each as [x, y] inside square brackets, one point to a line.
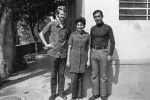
[131, 62]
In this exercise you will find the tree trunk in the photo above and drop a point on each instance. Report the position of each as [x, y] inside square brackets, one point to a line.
[34, 37]
[15, 42]
[6, 44]
[3, 72]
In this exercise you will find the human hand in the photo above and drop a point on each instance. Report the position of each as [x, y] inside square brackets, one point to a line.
[88, 63]
[51, 45]
[109, 58]
[68, 64]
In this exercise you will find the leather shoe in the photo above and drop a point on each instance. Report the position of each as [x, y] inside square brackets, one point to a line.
[52, 97]
[94, 97]
[104, 98]
[80, 98]
[63, 96]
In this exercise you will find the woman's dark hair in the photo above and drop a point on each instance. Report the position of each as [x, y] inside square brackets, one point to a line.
[97, 11]
[82, 20]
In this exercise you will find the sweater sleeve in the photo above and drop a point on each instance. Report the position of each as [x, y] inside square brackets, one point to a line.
[112, 41]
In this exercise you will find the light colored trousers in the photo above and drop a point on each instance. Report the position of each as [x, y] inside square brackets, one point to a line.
[99, 71]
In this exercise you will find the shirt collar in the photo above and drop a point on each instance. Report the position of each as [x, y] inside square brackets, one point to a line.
[99, 25]
[81, 36]
[59, 26]
[83, 32]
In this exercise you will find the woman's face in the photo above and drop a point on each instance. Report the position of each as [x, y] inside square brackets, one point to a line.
[80, 26]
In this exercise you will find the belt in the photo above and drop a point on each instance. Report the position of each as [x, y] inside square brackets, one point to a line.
[99, 47]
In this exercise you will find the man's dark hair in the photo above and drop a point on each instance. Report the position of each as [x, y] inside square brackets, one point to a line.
[97, 11]
[82, 20]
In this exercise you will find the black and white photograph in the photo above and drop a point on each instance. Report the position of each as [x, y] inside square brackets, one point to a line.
[74, 49]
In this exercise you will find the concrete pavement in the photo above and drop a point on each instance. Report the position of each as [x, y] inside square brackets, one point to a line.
[34, 82]
[125, 82]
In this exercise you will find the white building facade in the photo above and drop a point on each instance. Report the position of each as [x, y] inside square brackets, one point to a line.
[129, 74]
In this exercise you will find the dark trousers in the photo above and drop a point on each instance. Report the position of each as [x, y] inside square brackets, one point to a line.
[99, 71]
[57, 74]
[76, 85]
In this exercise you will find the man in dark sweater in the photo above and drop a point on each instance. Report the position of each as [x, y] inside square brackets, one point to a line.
[101, 34]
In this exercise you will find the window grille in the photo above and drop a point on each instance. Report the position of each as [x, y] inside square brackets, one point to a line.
[134, 9]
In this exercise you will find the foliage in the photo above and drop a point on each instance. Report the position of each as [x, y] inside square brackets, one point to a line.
[32, 12]
[35, 9]
[24, 33]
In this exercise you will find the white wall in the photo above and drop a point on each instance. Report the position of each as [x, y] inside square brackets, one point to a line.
[126, 82]
[132, 37]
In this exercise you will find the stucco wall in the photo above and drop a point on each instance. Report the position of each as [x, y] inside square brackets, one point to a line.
[125, 82]
[129, 81]
[132, 37]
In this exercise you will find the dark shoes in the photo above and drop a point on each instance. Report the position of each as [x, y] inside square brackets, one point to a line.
[53, 96]
[63, 96]
[94, 97]
[104, 98]
[78, 98]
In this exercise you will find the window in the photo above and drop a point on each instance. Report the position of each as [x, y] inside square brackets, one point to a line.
[134, 9]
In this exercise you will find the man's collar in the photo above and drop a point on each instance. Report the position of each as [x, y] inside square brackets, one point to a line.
[100, 24]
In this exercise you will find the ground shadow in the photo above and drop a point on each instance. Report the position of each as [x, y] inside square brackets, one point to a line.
[113, 72]
[41, 66]
[87, 82]
[68, 90]
[67, 75]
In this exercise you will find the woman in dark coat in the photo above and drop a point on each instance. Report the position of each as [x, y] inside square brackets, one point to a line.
[78, 57]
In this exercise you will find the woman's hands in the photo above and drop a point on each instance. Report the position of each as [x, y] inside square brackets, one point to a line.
[68, 64]
[88, 63]
[51, 45]
[47, 46]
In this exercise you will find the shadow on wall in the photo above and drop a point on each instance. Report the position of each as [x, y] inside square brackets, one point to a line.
[113, 72]
[87, 83]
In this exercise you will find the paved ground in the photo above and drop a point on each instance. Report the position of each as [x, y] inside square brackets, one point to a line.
[34, 82]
